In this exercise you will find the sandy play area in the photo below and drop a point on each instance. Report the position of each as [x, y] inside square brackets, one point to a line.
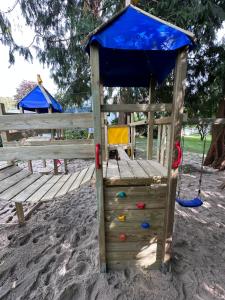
[55, 256]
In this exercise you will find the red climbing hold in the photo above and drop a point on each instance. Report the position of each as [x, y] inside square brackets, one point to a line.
[123, 237]
[140, 205]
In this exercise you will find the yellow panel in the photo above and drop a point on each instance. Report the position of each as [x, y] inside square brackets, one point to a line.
[118, 135]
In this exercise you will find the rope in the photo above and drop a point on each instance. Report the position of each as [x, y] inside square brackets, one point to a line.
[201, 171]
[181, 168]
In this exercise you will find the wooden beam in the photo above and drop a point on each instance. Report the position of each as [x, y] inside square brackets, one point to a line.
[47, 152]
[163, 121]
[96, 103]
[159, 107]
[138, 123]
[28, 142]
[132, 133]
[149, 151]
[46, 121]
[178, 104]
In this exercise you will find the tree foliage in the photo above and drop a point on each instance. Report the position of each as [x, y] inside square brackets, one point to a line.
[61, 26]
[23, 89]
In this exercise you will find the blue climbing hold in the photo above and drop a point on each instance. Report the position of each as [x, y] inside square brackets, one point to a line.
[121, 194]
[145, 225]
[196, 202]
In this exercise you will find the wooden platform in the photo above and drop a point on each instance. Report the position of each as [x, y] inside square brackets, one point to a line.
[133, 172]
[20, 186]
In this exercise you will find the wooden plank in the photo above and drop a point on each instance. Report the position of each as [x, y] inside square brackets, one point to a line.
[133, 235]
[138, 123]
[32, 187]
[137, 170]
[121, 265]
[124, 169]
[137, 107]
[45, 121]
[131, 246]
[148, 169]
[134, 181]
[78, 180]
[47, 152]
[37, 196]
[122, 153]
[12, 180]
[153, 197]
[19, 187]
[88, 175]
[163, 121]
[38, 142]
[135, 217]
[112, 169]
[67, 185]
[97, 100]
[158, 167]
[7, 172]
[56, 187]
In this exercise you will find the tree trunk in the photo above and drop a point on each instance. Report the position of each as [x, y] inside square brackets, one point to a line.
[216, 154]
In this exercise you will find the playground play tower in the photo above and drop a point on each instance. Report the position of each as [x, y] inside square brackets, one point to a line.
[136, 198]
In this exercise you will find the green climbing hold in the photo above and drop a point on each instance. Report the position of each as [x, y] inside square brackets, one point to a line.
[121, 194]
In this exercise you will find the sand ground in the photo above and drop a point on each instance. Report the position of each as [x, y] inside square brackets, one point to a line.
[55, 256]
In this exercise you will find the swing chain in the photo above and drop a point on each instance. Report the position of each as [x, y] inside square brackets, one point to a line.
[201, 171]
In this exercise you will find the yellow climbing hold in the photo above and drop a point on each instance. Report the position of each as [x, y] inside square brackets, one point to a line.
[121, 218]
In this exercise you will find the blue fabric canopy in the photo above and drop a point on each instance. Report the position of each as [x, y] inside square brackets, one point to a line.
[36, 100]
[135, 46]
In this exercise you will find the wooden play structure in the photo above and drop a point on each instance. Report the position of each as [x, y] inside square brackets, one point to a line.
[136, 198]
[24, 188]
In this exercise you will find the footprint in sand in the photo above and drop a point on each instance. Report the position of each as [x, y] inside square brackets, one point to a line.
[81, 268]
[24, 239]
[72, 291]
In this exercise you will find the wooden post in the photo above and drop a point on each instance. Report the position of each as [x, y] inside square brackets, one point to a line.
[66, 166]
[106, 137]
[159, 142]
[20, 213]
[97, 116]
[55, 167]
[132, 132]
[4, 135]
[30, 166]
[150, 121]
[177, 114]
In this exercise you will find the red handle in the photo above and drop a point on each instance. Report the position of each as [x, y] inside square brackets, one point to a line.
[97, 156]
[177, 161]
[140, 205]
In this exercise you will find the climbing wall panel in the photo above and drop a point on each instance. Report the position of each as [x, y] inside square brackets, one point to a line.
[134, 225]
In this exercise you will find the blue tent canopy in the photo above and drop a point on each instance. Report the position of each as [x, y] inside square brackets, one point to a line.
[39, 99]
[135, 46]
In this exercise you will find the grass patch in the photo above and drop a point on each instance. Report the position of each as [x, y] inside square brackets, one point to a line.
[192, 143]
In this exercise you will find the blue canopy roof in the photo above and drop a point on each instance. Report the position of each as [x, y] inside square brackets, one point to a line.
[36, 99]
[134, 46]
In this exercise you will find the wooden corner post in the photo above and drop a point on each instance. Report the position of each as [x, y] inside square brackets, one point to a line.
[97, 116]
[177, 113]
[150, 121]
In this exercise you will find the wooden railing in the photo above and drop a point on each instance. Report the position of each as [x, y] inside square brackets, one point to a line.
[53, 149]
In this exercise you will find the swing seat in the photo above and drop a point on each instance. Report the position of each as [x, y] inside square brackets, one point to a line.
[196, 202]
